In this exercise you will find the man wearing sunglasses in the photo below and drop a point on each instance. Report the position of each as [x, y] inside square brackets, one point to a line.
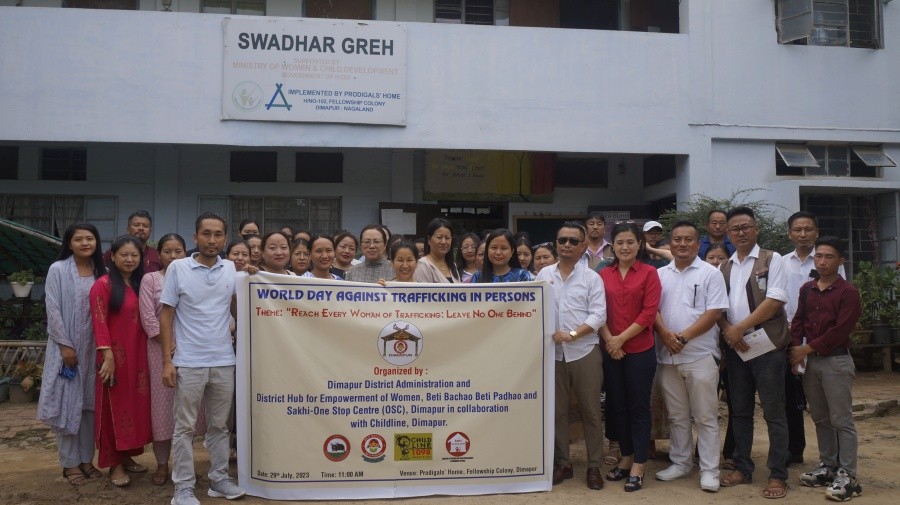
[580, 303]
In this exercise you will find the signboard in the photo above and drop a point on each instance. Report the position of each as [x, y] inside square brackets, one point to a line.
[350, 391]
[480, 176]
[278, 69]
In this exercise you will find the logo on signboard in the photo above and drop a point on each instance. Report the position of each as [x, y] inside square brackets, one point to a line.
[412, 447]
[278, 93]
[247, 95]
[400, 343]
[336, 448]
[458, 444]
[373, 448]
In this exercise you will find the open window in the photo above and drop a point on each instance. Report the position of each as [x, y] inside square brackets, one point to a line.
[472, 12]
[847, 23]
[804, 160]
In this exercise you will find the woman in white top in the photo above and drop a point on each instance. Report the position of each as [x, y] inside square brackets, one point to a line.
[321, 256]
[276, 253]
[437, 265]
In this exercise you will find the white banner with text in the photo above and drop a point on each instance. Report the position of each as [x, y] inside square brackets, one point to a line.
[350, 391]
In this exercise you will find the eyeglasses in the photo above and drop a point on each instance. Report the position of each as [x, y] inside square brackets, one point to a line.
[372, 242]
[469, 248]
[568, 240]
[542, 244]
[741, 229]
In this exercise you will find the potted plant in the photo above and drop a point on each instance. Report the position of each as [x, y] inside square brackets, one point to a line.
[22, 282]
[26, 379]
[877, 291]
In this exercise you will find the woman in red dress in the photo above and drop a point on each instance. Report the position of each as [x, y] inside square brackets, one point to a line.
[122, 420]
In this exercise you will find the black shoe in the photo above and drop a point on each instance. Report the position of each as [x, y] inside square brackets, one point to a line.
[561, 473]
[634, 483]
[792, 459]
[617, 473]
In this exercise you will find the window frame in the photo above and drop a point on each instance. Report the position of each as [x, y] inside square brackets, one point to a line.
[74, 158]
[850, 163]
[464, 9]
[805, 17]
[234, 9]
[229, 206]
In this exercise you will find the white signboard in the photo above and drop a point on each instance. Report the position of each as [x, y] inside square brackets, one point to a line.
[278, 69]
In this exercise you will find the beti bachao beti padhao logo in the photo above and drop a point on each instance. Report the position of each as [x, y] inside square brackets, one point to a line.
[373, 448]
[400, 343]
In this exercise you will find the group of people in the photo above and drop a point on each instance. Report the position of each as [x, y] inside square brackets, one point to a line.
[680, 316]
[628, 310]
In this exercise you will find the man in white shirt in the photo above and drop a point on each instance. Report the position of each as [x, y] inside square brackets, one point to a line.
[687, 350]
[580, 302]
[197, 305]
[757, 293]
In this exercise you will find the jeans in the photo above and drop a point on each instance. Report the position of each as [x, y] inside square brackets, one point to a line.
[828, 383]
[215, 385]
[628, 384]
[765, 375]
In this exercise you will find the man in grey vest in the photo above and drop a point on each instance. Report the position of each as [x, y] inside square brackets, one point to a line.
[756, 284]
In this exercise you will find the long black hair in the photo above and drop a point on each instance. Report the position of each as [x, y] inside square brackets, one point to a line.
[433, 226]
[618, 228]
[96, 257]
[460, 260]
[117, 284]
[487, 268]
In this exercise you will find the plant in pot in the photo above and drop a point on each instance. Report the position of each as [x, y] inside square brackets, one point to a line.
[22, 282]
[26, 379]
[877, 291]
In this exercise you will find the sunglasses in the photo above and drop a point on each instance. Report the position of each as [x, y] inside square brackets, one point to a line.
[568, 240]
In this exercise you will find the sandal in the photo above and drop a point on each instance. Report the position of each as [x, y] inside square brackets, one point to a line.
[776, 488]
[91, 472]
[135, 468]
[612, 454]
[733, 478]
[161, 476]
[634, 483]
[728, 464]
[75, 476]
[617, 473]
[121, 481]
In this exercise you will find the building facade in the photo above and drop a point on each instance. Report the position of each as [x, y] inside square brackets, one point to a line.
[639, 104]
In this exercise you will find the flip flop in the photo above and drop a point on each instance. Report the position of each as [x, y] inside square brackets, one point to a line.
[734, 478]
[75, 478]
[92, 472]
[776, 488]
[160, 478]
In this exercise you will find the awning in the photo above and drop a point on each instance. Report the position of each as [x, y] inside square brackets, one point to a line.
[24, 248]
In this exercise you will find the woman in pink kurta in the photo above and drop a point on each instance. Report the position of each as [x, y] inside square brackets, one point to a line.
[171, 247]
[122, 420]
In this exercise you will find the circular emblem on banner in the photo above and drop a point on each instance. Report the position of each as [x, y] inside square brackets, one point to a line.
[247, 95]
[400, 343]
[336, 448]
[458, 444]
[373, 448]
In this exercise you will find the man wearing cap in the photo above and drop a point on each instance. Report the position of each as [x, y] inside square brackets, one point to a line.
[715, 228]
[659, 253]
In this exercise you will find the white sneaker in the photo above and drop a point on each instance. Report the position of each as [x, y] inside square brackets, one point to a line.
[673, 472]
[185, 496]
[709, 482]
[225, 488]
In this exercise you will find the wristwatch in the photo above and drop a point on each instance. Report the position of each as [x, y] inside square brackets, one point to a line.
[574, 335]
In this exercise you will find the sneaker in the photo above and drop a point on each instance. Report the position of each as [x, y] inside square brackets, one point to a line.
[225, 488]
[184, 496]
[844, 487]
[709, 482]
[673, 472]
[818, 476]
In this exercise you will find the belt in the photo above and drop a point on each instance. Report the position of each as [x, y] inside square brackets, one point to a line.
[840, 351]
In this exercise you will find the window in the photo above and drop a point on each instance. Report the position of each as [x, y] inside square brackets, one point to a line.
[581, 173]
[830, 160]
[628, 15]
[658, 168]
[344, 9]
[272, 213]
[54, 213]
[319, 167]
[128, 5]
[848, 23]
[9, 162]
[69, 164]
[470, 12]
[254, 166]
[247, 7]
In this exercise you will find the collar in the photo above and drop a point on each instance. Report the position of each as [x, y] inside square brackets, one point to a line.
[192, 261]
[599, 251]
[694, 264]
[754, 253]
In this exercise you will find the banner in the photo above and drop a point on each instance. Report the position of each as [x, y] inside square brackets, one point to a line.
[349, 391]
[294, 69]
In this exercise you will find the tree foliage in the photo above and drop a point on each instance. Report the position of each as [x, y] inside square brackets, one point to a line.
[770, 218]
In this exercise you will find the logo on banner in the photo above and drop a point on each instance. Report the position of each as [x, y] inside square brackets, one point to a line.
[278, 93]
[373, 447]
[336, 448]
[400, 343]
[412, 447]
[247, 95]
[458, 444]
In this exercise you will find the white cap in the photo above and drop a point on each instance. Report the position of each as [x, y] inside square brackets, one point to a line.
[649, 225]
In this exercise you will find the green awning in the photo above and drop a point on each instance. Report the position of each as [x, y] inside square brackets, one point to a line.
[23, 248]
